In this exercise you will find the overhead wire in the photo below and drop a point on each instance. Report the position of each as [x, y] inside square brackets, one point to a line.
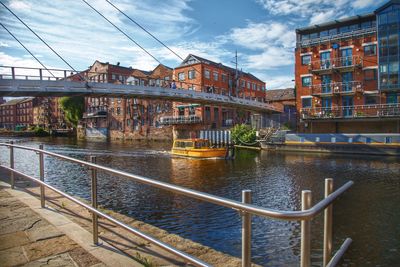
[40, 38]
[27, 49]
[121, 31]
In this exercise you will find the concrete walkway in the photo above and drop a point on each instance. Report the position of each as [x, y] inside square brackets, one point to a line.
[31, 236]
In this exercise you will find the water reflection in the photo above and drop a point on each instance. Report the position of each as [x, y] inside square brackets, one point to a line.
[276, 180]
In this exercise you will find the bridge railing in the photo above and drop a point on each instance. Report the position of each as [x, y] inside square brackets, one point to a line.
[29, 73]
[246, 209]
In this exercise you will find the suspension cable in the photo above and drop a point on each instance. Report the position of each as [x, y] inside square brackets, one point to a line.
[27, 50]
[38, 37]
[144, 29]
[121, 31]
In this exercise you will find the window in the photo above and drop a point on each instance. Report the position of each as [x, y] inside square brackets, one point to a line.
[306, 59]
[306, 81]
[371, 100]
[323, 33]
[191, 74]
[306, 102]
[242, 83]
[248, 85]
[224, 78]
[370, 50]
[207, 74]
[118, 111]
[215, 74]
[314, 35]
[370, 75]
[181, 76]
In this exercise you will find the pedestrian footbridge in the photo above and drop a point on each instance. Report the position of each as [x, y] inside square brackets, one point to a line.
[32, 82]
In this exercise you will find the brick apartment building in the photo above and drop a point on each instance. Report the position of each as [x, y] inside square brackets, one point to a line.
[17, 113]
[31, 111]
[127, 118]
[347, 74]
[199, 74]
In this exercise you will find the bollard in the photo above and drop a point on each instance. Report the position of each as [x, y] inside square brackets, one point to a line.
[94, 203]
[305, 259]
[41, 170]
[246, 231]
[327, 251]
[12, 177]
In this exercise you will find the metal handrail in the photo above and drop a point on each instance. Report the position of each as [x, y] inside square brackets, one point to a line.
[284, 215]
[305, 215]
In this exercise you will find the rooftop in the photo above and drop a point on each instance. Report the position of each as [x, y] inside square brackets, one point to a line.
[193, 59]
[280, 94]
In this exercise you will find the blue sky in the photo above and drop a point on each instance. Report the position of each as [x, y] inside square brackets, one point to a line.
[262, 31]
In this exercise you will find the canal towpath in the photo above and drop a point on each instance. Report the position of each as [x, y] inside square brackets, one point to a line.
[117, 247]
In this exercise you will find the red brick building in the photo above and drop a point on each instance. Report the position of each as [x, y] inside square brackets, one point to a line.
[199, 74]
[128, 118]
[339, 88]
[285, 100]
[17, 113]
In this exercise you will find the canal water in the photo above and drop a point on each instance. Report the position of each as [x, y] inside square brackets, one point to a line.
[369, 213]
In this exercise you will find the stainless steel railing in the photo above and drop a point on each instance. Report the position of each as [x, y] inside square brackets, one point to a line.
[245, 207]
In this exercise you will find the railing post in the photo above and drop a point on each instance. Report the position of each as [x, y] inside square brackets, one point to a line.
[246, 231]
[41, 170]
[13, 73]
[305, 260]
[12, 177]
[327, 253]
[94, 203]
[40, 74]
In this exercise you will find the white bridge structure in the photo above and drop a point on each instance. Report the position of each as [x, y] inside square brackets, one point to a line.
[20, 81]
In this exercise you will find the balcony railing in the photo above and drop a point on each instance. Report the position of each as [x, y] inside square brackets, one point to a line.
[359, 111]
[338, 36]
[329, 89]
[171, 120]
[95, 113]
[327, 65]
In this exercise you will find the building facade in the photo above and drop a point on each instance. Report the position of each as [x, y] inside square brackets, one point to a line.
[199, 74]
[127, 118]
[347, 74]
[285, 100]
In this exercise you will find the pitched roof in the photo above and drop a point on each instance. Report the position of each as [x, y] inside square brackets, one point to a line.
[16, 101]
[218, 65]
[280, 94]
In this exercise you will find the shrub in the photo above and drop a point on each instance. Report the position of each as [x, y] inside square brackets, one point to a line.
[243, 134]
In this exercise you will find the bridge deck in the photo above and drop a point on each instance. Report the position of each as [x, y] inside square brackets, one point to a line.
[17, 87]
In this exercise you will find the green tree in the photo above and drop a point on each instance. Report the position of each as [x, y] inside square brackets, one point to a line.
[243, 134]
[73, 108]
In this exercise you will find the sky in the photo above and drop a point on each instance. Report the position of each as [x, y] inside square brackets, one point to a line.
[261, 31]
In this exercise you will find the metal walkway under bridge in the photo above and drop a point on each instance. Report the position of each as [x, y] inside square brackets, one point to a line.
[33, 82]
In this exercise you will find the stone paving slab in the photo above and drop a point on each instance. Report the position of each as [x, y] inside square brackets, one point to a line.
[28, 239]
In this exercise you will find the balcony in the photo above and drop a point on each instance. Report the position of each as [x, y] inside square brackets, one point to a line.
[335, 37]
[95, 113]
[327, 66]
[171, 120]
[352, 112]
[342, 88]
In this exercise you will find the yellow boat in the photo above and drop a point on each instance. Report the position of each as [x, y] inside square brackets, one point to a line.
[197, 148]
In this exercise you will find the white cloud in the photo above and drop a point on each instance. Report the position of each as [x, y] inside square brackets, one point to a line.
[276, 81]
[263, 35]
[4, 44]
[316, 11]
[270, 58]
[322, 17]
[20, 5]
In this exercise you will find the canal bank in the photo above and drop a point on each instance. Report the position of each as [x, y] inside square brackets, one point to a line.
[366, 144]
[121, 248]
[276, 180]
